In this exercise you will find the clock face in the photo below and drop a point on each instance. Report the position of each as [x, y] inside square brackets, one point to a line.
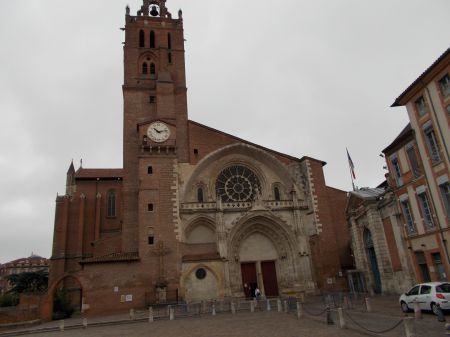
[158, 132]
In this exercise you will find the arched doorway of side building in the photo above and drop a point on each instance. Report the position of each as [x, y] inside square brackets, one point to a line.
[372, 259]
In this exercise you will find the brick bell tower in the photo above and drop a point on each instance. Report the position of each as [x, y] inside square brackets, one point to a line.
[155, 139]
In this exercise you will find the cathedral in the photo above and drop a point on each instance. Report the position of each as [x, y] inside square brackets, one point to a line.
[195, 213]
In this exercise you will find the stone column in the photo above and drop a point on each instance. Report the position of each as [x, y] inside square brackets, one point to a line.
[259, 278]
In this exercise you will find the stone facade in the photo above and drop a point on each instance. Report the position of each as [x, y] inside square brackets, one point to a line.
[195, 213]
[377, 240]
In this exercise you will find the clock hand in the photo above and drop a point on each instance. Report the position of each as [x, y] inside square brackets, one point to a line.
[157, 130]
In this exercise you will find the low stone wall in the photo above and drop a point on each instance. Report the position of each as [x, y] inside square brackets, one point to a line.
[16, 314]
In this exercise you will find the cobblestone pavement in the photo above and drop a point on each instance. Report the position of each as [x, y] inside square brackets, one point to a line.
[386, 313]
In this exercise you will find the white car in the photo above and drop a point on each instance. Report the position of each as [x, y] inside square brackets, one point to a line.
[428, 295]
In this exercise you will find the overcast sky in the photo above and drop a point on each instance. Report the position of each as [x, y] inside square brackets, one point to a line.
[301, 77]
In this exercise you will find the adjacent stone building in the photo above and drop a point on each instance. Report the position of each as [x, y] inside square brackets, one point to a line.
[400, 231]
[194, 213]
[380, 252]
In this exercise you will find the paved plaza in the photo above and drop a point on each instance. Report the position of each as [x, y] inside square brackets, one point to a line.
[385, 315]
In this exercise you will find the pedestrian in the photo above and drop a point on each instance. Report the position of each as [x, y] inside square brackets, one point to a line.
[257, 293]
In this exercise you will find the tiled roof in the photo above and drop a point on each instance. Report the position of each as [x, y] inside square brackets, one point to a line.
[400, 99]
[201, 257]
[406, 132]
[368, 193]
[114, 257]
[83, 173]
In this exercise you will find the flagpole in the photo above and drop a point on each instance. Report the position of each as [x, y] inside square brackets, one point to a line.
[352, 169]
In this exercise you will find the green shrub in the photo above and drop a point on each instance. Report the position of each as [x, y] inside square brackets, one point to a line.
[61, 305]
[9, 300]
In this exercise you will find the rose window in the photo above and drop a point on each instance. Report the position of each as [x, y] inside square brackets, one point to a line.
[237, 183]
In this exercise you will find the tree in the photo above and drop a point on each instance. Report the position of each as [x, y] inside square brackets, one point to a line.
[29, 282]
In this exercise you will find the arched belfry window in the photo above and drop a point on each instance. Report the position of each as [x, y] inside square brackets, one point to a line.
[237, 183]
[276, 193]
[152, 70]
[141, 38]
[145, 68]
[111, 204]
[169, 41]
[152, 39]
[200, 195]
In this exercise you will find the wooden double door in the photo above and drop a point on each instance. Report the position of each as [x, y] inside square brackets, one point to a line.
[250, 278]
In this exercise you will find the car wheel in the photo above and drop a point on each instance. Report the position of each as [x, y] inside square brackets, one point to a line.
[404, 306]
[434, 308]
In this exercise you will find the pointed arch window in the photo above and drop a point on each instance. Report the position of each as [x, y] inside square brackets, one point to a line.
[144, 68]
[276, 193]
[141, 39]
[152, 39]
[152, 70]
[200, 195]
[111, 204]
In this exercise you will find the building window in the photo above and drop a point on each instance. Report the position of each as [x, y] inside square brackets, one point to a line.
[169, 41]
[152, 99]
[439, 267]
[415, 168]
[152, 70]
[169, 57]
[410, 227]
[237, 183]
[150, 207]
[200, 194]
[421, 106]
[144, 68]
[432, 144]
[152, 39]
[397, 172]
[141, 39]
[444, 84]
[276, 193]
[149, 170]
[423, 267]
[426, 210]
[195, 151]
[111, 204]
[445, 194]
[151, 235]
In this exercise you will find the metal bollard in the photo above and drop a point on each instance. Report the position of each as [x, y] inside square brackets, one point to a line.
[417, 311]
[268, 307]
[341, 318]
[299, 310]
[368, 305]
[85, 323]
[171, 313]
[252, 306]
[213, 309]
[61, 325]
[279, 305]
[233, 308]
[410, 328]
[131, 314]
[440, 313]
[150, 315]
[329, 318]
[286, 309]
